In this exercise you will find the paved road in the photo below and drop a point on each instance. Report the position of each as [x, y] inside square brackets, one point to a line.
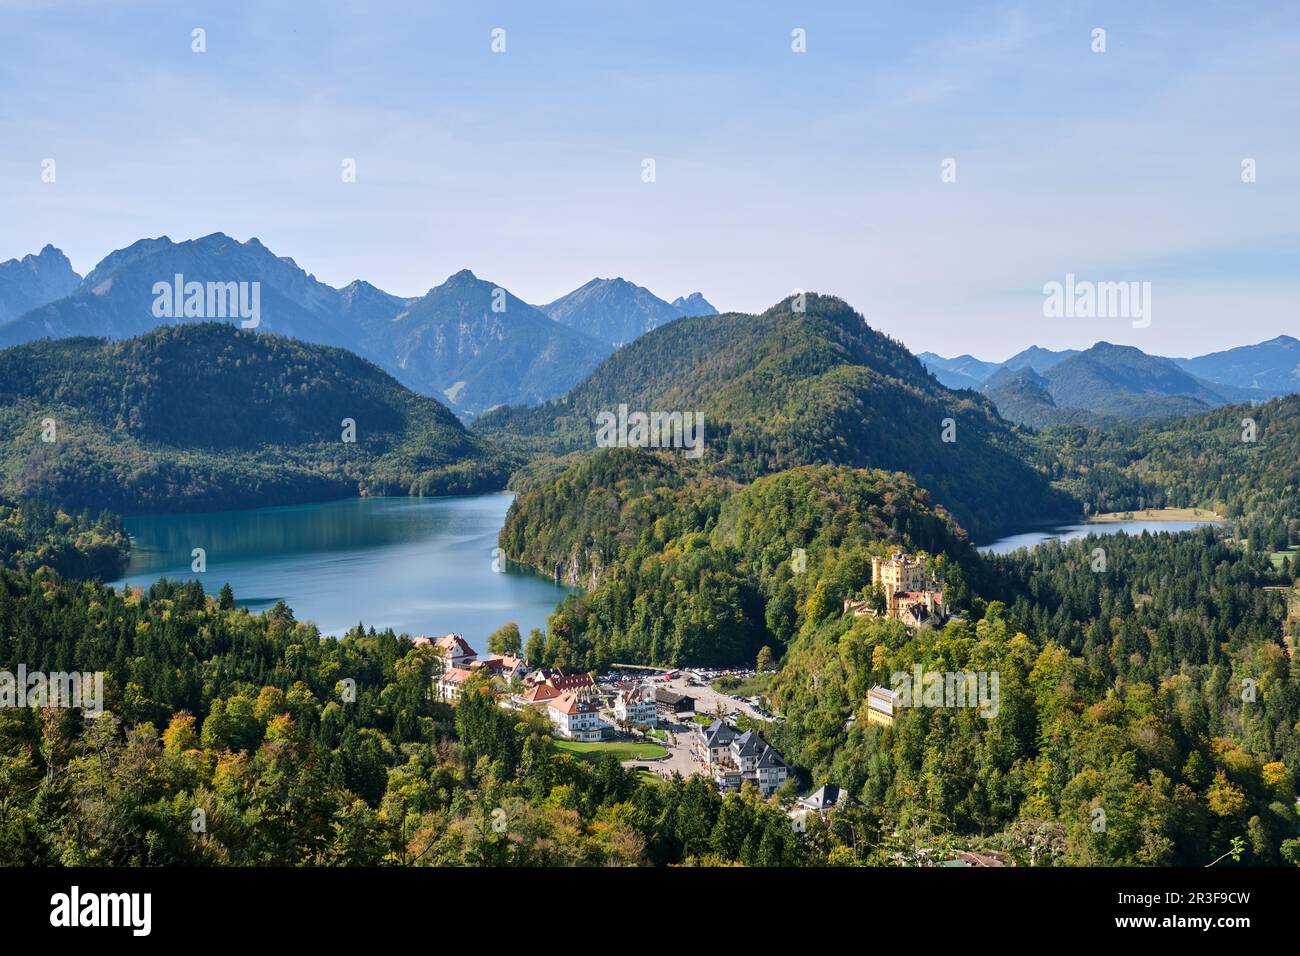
[707, 699]
[680, 759]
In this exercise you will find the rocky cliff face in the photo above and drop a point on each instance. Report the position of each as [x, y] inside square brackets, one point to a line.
[33, 281]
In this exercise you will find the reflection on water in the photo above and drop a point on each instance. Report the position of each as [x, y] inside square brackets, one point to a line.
[1029, 539]
[419, 565]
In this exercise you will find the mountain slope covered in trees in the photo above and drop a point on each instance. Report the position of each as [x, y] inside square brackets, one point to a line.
[819, 386]
[683, 567]
[207, 416]
[1241, 461]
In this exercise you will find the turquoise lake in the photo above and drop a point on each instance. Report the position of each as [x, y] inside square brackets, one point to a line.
[417, 565]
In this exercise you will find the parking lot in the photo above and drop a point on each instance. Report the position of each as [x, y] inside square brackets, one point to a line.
[707, 702]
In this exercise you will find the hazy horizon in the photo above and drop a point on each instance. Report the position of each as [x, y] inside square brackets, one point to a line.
[84, 269]
[775, 170]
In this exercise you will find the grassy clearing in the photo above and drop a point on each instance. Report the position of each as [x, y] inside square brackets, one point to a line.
[756, 686]
[1277, 556]
[623, 750]
[1158, 514]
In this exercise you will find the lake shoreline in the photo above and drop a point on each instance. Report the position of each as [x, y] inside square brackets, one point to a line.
[1157, 514]
[417, 564]
[1167, 524]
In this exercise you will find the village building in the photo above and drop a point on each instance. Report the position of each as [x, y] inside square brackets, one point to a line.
[504, 667]
[826, 799]
[541, 675]
[881, 703]
[451, 683]
[577, 683]
[576, 718]
[559, 680]
[671, 705]
[453, 648]
[538, 694]
[732, 757]
[636, 706]
[713, 742]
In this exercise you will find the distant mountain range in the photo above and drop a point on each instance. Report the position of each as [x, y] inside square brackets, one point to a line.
[1042, 387]
[468, 342]
[617, 311]
[33, 281]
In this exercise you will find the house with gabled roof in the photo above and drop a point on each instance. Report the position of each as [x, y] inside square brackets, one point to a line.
[770, 770]
[636, 706]
[503, 666]
[451, 684]
[732, 757]
[672, 705]
[454, 649]
[713, 742]
[578, 683]
[826, 799]
[538, 694]
[576, 718]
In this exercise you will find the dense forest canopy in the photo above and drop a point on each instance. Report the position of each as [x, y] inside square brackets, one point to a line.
[35, 534]
[704, 571]
[1158, 692]
[796, 386]
[207, 416]
[1155, 689]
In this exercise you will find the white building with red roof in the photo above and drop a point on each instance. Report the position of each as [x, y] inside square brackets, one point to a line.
[503, 666]
[576, 718]
[455, 651]
[451, 684]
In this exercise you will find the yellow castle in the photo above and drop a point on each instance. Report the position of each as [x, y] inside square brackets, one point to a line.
[910, 595]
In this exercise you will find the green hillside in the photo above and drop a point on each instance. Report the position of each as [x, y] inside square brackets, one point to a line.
[1203, 462]
[682, 570]
[787, 388]
[207, 417]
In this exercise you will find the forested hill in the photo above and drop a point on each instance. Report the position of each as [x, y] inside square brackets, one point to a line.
[208, 416]
[789, 388]
[682, 568]
[1242, 461]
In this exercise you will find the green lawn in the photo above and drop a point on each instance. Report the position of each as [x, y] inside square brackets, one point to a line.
[1277, 556]
[623, 750]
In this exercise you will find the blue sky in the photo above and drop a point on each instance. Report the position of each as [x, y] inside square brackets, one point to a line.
[775, 170]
